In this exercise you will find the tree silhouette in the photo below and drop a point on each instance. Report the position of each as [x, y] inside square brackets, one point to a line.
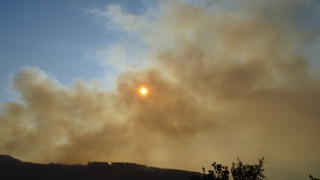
[242, 171]
[312, 178]
[239, 171]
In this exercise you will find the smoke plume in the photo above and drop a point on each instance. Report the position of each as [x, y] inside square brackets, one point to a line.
[226, 80]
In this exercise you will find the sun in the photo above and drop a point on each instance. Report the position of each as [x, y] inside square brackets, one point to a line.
[143, 91]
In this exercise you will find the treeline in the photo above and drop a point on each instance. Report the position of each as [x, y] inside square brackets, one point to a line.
[238, 171]
[13, 169]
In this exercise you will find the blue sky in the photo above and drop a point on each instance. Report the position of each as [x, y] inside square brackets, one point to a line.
[58, 37]
[62, 37]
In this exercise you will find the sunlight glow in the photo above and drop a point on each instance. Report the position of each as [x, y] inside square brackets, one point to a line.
[143, 91]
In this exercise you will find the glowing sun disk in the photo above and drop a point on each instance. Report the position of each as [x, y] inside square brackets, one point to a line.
[143, 91]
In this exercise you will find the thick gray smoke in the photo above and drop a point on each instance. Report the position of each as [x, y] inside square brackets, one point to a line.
[226, 80]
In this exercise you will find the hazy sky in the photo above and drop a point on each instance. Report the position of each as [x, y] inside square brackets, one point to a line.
[60, 37]
[226, 79]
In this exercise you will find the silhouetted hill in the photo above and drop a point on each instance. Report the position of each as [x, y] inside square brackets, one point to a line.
[11, 168]
[8, 159]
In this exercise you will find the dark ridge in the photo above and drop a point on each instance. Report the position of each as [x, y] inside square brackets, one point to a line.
[14, 169]
[8, 159]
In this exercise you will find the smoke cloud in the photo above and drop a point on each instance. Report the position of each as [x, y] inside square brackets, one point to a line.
[226, 80]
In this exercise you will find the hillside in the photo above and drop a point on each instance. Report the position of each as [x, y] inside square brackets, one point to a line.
[11, 168]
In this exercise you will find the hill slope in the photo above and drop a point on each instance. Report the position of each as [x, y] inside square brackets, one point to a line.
[11, 168]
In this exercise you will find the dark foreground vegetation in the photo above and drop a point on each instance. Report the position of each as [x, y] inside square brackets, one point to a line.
[238, 171]
[14, 169]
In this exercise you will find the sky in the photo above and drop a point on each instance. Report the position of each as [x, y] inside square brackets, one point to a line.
[60, 37]
[225, 79]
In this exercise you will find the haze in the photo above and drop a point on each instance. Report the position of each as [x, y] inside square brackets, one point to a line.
[227, 79]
